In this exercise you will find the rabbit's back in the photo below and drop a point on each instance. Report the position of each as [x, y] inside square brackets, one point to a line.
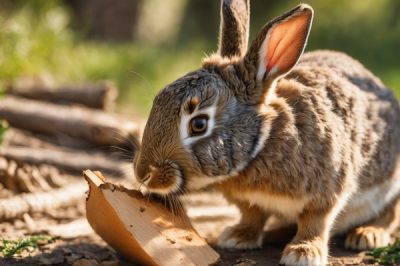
[348, 68]
[362, 113]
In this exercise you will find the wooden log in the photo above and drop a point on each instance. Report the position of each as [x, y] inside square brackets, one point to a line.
[18, 137]
[73, 162]
[14, 137]
[143, 230]
[16, 206]
[100, 95]
[23, 138]
[96, 127]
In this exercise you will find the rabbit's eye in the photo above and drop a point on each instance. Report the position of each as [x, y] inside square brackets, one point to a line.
[198, 125]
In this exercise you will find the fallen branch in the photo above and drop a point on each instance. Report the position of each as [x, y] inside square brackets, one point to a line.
[41, 201]
[100, 96]
[93, 126]
[73, 162]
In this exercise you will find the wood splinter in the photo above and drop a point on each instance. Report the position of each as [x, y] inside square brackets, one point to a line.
[143, 231]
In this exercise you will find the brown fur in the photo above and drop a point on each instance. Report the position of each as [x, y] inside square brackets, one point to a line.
[332, 140]
[234, 27]
[324, 131]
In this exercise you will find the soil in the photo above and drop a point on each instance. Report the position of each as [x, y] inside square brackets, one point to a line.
[78, 245]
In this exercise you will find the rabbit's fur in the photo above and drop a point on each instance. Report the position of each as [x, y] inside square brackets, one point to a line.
[316, 144]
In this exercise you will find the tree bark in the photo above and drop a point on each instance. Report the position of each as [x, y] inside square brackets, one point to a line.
[96, 127]
[99, 96]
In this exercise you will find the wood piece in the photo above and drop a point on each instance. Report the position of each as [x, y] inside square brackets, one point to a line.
[52, 175]
[142, 230]
[23, 177]
[30, 223]
[16, 206]
[100, 95]
[11, 180]
[37, 178]
[3, 167]
[4, 192]
[73, 162]
[24, 181]
[94, 126]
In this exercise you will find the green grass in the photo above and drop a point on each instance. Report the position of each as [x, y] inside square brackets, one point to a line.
[389, 255]
[9, 248]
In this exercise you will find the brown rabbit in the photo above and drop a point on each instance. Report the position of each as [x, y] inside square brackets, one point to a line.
[314, 141]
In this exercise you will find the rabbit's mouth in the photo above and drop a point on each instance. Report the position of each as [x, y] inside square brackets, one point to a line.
[165, 180]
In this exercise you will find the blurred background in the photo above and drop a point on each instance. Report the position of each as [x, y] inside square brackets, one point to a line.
[142, 45]
[57, 116]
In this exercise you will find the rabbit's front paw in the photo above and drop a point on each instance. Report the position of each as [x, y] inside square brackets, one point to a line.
[241, 237]
[304, 253]
[367, 237]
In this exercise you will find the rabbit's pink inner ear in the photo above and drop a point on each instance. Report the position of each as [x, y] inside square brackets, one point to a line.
[284, 45]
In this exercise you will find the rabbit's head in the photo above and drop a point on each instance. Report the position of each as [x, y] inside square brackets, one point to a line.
[209, 124]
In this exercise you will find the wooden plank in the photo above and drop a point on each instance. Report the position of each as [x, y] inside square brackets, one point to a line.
[143, 230]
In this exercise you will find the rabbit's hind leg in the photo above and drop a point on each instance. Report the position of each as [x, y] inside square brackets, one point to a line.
[375, 233]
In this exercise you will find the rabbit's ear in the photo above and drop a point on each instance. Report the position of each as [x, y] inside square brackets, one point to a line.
[234, 31]
[279, 45]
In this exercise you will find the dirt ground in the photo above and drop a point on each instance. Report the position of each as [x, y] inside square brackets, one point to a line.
[78, 245]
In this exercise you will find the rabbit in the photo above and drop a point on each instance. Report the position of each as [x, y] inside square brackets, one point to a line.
[313, 138]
